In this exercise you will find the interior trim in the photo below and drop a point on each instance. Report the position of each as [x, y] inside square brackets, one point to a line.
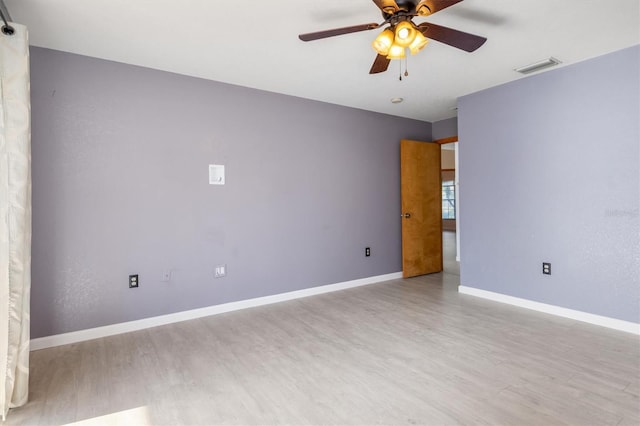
[126, 327]
[442, 141]
[616, 324]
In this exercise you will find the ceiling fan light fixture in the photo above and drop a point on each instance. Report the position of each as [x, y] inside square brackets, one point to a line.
[382, 44]
[396, 52]
[402, 34]
[418, 43]
[405, 33]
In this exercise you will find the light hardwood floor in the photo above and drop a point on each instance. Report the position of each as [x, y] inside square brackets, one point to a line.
[402, 352]
[449, 262]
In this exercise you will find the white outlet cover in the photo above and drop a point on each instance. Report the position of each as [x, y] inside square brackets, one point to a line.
[216, 174]
[220, 271]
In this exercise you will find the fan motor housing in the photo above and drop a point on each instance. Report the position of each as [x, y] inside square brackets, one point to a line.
[410, 7]
[406, 5]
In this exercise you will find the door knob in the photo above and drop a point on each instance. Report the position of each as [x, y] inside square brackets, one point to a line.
[406, 215]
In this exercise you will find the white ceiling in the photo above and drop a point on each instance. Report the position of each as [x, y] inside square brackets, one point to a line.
[254, 43]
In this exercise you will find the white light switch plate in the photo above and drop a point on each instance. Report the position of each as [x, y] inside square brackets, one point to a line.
[216, 174]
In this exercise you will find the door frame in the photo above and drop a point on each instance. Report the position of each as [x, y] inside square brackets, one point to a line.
[444, 141]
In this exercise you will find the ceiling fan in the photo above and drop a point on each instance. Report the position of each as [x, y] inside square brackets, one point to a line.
[402, 34]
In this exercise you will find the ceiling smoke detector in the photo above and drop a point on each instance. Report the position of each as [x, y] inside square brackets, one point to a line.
[538, 66]
[396, 100]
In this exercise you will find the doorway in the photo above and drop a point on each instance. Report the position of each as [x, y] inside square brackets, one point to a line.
[429, 187]
[450, 225]
[420, 185]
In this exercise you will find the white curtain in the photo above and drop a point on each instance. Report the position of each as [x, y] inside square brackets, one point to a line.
[15, 218]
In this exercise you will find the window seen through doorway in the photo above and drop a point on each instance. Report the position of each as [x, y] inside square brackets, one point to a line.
[448, 200]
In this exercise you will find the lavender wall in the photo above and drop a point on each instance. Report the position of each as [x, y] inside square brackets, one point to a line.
[549, 171]
[120, 186]
[445, 128]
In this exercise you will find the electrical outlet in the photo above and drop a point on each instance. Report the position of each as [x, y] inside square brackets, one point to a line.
[367, 251]
[133, 281]
[166, 276]
[546, 268]
[220, 271]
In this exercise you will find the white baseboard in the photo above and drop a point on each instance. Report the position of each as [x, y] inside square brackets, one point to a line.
[126, 327]
[616, 324]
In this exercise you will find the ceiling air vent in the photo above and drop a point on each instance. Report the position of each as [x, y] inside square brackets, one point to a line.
[538, 66]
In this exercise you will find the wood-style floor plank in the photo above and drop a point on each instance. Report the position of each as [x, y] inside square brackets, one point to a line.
[402, 352]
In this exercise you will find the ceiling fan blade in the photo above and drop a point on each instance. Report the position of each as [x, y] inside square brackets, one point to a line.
[337, 31]
[429, 7]
[461, 40]
[387, 6]
[380, 64]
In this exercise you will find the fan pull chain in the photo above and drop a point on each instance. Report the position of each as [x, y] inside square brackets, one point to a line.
[406, 68]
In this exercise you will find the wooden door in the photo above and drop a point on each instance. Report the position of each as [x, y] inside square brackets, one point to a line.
[421, 208]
